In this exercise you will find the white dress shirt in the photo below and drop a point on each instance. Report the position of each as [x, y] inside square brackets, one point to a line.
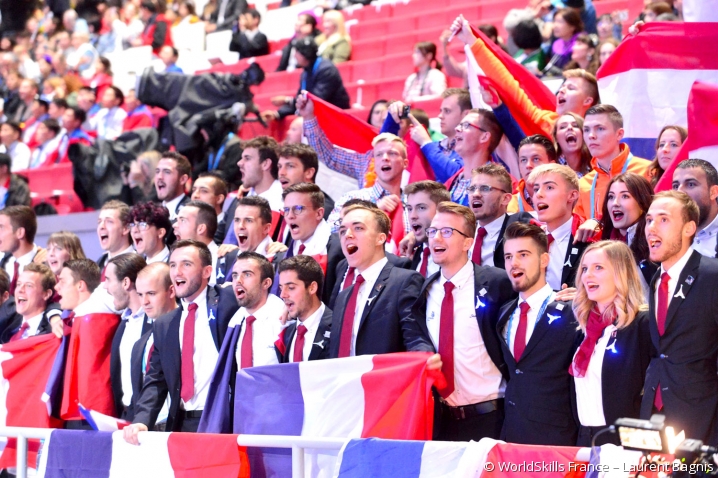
[23, 260]
[263, 246]
[133, 332]
[273, 195]
[370, 275]
[431, 267]
[705, 240]
[205, 351]
[108, 122]
[33, 323]
[265, 331]
[557, 253]
[535, 301]
[312, 324]
[589, 388]
[161, 256]
[674, 272]
[19, 154]
[490, 239]
[213, 249]
[317, 243]
[172, 205]
[93, 305]
[476, 377]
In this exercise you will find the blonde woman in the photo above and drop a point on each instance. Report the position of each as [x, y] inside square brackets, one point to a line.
[610, 365]
[334, 43]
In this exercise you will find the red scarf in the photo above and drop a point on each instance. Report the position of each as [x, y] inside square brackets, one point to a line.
[595, 326]
[617, 236]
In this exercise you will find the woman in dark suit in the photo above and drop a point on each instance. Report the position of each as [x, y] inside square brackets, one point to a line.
[610, 365]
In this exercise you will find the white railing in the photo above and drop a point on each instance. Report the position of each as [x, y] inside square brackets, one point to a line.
[23, 434]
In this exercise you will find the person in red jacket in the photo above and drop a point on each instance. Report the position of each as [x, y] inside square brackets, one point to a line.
[157, 28]
[138, 115]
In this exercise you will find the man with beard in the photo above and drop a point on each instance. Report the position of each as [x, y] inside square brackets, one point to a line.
[699, 179]
[681, 380]
[421, 200]
[538, 337]
[171, 175]
[151, 231]
[186, 345]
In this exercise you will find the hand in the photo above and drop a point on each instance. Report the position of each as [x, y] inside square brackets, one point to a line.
[58, 326]
[41, 256]
[130, 433]
[135, 176]
[636, 27]
[407, 244]
[269, 115]
[395, 110]
[434, 362]
[275, 247]
[242, 191]
[210, 27]
[565, 294]
[462, 30]
[444, 38]
[225, 249]
[388, 203]
[586, 231]
[305, 106]
[280, 100]
[418, 133]
[490, 96]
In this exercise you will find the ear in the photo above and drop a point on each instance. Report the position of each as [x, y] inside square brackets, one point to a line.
[266, 283]
[713, 192]
[20, 233]
[312, 289]
[266, 164]
[207, 272]
[309, 174]
[201, 229]
[544, 260]
[381, 239]
[220, 199]
[5, 295]
[183, 179]
[267, 228]
[506, 199]
[588, 101]
[172, 292]
[689, 228]
[619, 133]
[320, 213]
[573, 196]
[47, 294]
[162, 232]
[127, 284]
[468, 242]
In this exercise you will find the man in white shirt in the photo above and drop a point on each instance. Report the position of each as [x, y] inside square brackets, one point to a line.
[121, 275]
[109, 120]
[259, 167]
[18, 151]
[307, 338]
[113, 231]
[18, 226]
[699, 179]
[33, 302]
[47, 151]
[171, 175]
[197, 221]
[421, 200]
[151, 231]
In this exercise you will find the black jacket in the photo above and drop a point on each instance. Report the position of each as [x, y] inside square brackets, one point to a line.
[323, 80]
[116, 365]
[18, 193]
[232, 12]
[320, 342]
[13, 325]
[257, 46]
[499, 248]
[227, 163]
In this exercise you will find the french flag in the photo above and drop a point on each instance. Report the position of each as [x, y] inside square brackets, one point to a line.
[101, 422]
[650, 75]
[159, 455]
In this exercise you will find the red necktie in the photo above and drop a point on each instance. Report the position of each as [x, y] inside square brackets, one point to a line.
[149, 356]
[549, 239]
[16, 272]
[446, 338]
[345, 341]
[349, 279]
[424, 261]
[247, 355]
[302, 247]
[187, 391]
[299, 344]
[478, 242]
[661, 312]
[18, 334]
[520, 339]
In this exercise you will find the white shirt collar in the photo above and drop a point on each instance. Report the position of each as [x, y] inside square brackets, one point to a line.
[25, 259]
[371, 273]
[462, 277]
[710, 230]
[494, 227]
[631, 233]
[563, 231]
[262, 246]
[213, 248]
[537, 298]
[317, 242]
[676, 268]
[128, 315]
[172, 204]
[160, 256]
[33, 323]
[312, 322]
[129, 249]
[270, 310]
[201, 300]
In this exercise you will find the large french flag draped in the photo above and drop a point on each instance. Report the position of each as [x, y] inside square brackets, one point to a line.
[25, 366]
[649, 78]
[160, 455]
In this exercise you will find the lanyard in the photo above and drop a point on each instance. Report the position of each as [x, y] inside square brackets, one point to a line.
[314, 70]
[546, 301]
[595, 179]
[214, 158]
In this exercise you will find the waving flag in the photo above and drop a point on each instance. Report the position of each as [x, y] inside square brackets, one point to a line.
[25, 366]
[702, 141]
[341, 128]
[159, 455]
[101, 422]
[650, 75]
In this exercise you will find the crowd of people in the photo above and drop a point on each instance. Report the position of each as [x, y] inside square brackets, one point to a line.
[554, 301]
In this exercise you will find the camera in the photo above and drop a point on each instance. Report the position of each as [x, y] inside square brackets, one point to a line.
[405, 112]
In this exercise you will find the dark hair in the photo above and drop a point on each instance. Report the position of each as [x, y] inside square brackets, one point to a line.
[266, 271]
[220, 185]
[266, 146]
[705, 166]
[148, 5]
[155, 215]
[543, 141]
[421, 117]
[184, 167]
[60, 103]
[316, 196]
[79, 114]
[4, 281]
[205, 257]
[521, 229]
[85, 270]
[309, 20]
[383, 223]
[371, 110]
[128, 265]
[659, 8]
[47, 277]
[640, 189]
[88, 89]
[14, 125]
[428, 48]
[488, 121]
[527, 36]
[490, 31]
[265, 212]
[205, 215]
[305, 154]
[22, 216]
[252, 12]
[5, 160]
[611, 111]
[437, 192]
[106, 64]
[654, 169]
[52, 125]
[572, 18]
[307, 268]
[123, 208]
[118, 93]
[462, 97]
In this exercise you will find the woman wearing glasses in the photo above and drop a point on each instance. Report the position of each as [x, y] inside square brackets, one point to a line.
[151, 231]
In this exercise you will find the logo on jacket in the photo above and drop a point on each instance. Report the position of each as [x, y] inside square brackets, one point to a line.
[552, 318]
[479, 303]
[680, 293]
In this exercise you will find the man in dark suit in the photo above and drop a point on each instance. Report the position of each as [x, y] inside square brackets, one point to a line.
[113, 232]
[186, 344]
[33, 299]
[458, 309]
[374, 315]
[489, 196]
[699, 179]
[226, 15]
[18, 226]
[681, 381]
[304, 27]
[422, 198]
[248, 41]
[538, 338]
[308, 337]
[120, 276]
[171, 176]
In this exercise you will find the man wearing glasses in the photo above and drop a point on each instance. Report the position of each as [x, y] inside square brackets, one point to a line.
[151, 231]
[458, 309]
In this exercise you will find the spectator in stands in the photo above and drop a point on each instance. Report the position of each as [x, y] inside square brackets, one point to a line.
[571, 149]
[605, 49]
[34, 304]
[18, 226]
[248, 41]
[225, 15]
[428, 82]
[19, 153]
[156, 32]
[295, 132]
[534, 151]
[72, 132]
[655, 9]
[109, 120]
[527, 37]
[584, 54]
[567, 25]
[102, 77]
[47, 152]
[39, 114]
[186, 13]
[151, 231]
[298, 163]
[698, 178]
[12, 81]
[57, 108]
[27, 92]
[169, 55]
[305, 27]
[422, 198]
[134, 26]
[86, 101]
[138, 115]
[83, 57]
[63, 246]
[72, 23]
[14, 190]
[138, 182]
[259, 166]
[211, 188]
[121, 276]
[113, 231]
[197, 221]
[334, 43]
[320, 77]
[171, 176]
[668, 143]
[607, 28]
[112, 32]
[377, 113]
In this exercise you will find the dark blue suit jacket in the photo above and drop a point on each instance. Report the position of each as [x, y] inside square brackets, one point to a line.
[116, 364]
[320, 341]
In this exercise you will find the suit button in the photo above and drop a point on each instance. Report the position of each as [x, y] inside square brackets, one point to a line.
[663, 356]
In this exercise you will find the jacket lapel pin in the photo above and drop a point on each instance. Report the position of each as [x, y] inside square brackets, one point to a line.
[220, 274]
[479, 303]
[612, 347]
[211, 314]
[552, 318]
[680, 293]
[482, 292]
[559, 306]
[327, 333]
[689, 280]
[568, 262]
[574, 251]
[319, 344]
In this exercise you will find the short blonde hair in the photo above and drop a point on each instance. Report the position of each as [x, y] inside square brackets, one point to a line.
[389, 137]
[568, 174]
